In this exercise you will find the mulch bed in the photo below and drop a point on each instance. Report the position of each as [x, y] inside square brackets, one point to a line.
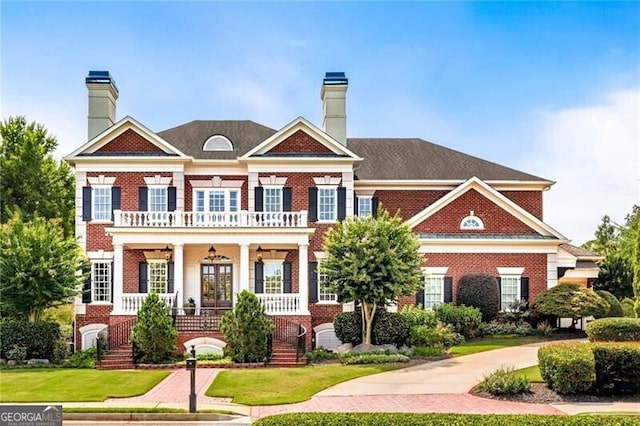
[541, 394]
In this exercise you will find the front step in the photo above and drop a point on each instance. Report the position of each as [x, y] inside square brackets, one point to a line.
[117, 359]
[283, 355]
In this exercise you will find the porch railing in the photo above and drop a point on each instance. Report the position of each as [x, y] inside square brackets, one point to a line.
[203, 319]
[118, 334]
[241, 219]
[280, 304]
[132, 302]
[288, 332]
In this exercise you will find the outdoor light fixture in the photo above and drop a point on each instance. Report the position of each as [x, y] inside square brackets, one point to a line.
[167, 253]
[259, 253]
[212, 253]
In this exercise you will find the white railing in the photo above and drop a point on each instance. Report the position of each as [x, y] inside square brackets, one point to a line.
[131, 302]
[278, 304]
[241, 219]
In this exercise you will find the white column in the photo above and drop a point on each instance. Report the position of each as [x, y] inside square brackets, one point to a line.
[118, 278]
[244, 268]
[303, 277]
[178, 271]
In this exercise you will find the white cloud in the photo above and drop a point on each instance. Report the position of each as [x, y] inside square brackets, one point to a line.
[593, 154]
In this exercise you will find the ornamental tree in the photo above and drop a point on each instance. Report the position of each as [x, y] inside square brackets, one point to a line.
[38, 267]
[373, 260]
[154, 333]
[571, 301]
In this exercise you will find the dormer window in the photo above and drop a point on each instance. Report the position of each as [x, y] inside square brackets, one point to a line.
[471, 222]
[217, 143]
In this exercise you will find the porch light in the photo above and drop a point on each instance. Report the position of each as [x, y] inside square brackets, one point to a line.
[212, 253]
[167, 253]
[259, 253]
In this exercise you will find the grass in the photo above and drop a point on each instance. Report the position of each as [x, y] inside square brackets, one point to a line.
[143, 410]
[287, 385]
[73, 385]
[494, 342]
[532, 374]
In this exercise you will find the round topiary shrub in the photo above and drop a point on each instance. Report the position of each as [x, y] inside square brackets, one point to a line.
[348, 327]
[480, 291]
[628, 309]
[614, 330]
[390, 328]
[615, 309]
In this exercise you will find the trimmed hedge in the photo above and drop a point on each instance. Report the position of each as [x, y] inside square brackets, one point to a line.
[406, 419]
[348, 327]
[389, 328]
[465, 320]
[615, 309]
[567, 368]
[37, 338]
[617, 368]
[614, 330]
[628, 309]
[372, 358]
[480, 291]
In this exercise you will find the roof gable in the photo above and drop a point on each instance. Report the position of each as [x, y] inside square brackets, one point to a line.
[129, 142]
[300, 143]
[486, 191]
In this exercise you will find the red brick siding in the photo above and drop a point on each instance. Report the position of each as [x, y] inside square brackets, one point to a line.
[300, 142]
[409, 203]
[97, 238]
[129, 183]
[531, 201]
[130, 274]
[188, 190]
[129, 141]
[495, 219]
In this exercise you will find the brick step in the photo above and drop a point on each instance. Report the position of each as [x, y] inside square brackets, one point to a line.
[116, 367]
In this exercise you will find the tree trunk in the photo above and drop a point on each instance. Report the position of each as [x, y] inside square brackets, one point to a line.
[369, 312]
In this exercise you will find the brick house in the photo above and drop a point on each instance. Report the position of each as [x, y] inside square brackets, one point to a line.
[207, 209]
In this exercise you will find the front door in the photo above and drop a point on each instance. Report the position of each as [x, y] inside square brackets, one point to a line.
[217, 287]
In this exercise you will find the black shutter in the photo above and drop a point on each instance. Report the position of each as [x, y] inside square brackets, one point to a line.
[420, 296]
[286, 277]
[313, 282]
[115, 199]
[259, 277]
[448, 289]
[374, 206]
[355, 204]
[143, 203]
[142, 277]
[342, 203]
[259, 198]
[86, 287]
[313, 204]
[524, 288]
[171, 199]
[286, 199]
[499, 280]
[170, 276]
[86, 203]
[111, 292]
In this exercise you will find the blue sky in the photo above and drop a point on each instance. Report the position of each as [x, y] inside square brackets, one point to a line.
[551, 88]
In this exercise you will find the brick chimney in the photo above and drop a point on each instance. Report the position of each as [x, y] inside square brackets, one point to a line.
[103, 95]
[334, 105]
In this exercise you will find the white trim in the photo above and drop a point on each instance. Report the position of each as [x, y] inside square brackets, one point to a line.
[212, 140]
[510, 271]
[444, 184]
[429, 245]
[333, 188]
[465, 223]
[435, 270]
[320, 255]
[273, 181]
[216, 182]
[327, 181]
[227, 198]
[100, 255]
[101, 180]
[158, 180]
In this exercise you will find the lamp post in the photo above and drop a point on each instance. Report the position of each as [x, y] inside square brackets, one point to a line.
[191, 366]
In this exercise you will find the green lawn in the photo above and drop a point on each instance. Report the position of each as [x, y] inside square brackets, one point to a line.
[74, 385]
[287, 385]
[490, 343]
[532, 374]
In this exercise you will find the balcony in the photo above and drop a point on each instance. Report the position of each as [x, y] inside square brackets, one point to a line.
[131, 302]
[180, 219]
[280, 304]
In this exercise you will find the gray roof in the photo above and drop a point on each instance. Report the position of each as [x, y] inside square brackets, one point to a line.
[384, 158]
[579, 252]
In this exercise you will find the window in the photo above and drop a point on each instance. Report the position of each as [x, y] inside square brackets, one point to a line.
[101, 281]
[433, 290]
[157, 276]
[365, 206]
[273, 278]
[215, 201]
[471, 222]
[101, 197]
[327, 204]
[509, 290]
[158, 199]
[324, 294]
[272, 199]
[217, 143]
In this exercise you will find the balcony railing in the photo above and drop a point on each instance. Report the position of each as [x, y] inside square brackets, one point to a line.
[131, 302]
[180, 219]
[280, 304]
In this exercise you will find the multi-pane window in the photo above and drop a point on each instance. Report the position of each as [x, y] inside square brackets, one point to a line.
[272, 199]
[215, 201]
[158, 199]
[324, 293]
[509, 290]
[433, 290]
[158, 277]
[101, 197]
[327, 204]
[273, 277]
[101, 281]
[365, 206]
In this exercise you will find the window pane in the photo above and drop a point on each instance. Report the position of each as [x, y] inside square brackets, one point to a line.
[324, 294]
[327, 208]
[199, 201]
[364, 206]
[433, 289]
[233, 201]
[157, 199]
[510, 289]
[101, 281]
[216, 201]
[272, 199]
[273, 277]
[158, 277]
[101, 203]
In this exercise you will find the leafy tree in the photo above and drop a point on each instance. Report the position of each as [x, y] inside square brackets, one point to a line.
[247, 329]
[371, 260]
[31, 180]
[154, 334]
[571, 301]
[606, 235]
[615, 276]
[480, 291]
[615, 309]
[636, 279]
[38, 267]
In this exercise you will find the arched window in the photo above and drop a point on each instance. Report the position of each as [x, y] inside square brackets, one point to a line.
[217, 143]
[471, 222]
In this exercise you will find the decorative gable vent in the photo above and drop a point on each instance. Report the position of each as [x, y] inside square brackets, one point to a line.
[217, 143]
[472, 222]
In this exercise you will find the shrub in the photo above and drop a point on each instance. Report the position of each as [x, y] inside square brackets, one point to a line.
[480, 291]
[209, 356]
[544, 328]
[320, 354]
[617, 368]
[615, 309]
[505, 381]
[372, 358]
[570, 301]
[504, 328]
[429, 351]
[567, 368]
[247, 329]
[82, 359]
[37, 338]
[390, 328]
[465, 320]
[348, 327]
[628, 309]
[441, 335]
[415, 316]
[614, 330]
[154, 335]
